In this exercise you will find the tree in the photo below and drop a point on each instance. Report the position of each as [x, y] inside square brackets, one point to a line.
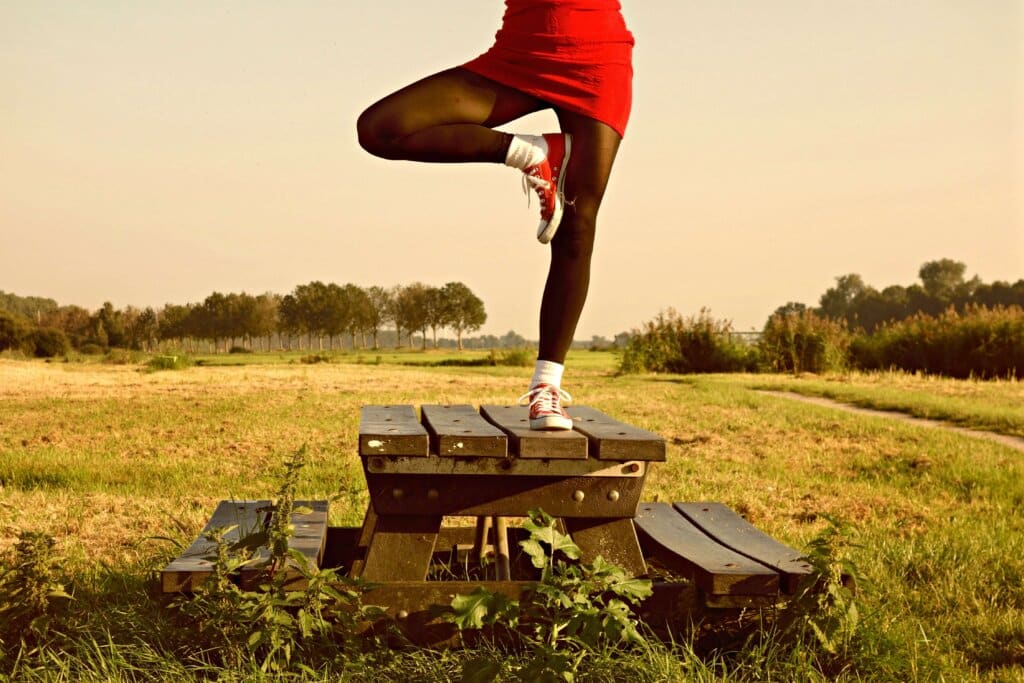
[264, 320]
[409, 307]
[943, 279]
[112, 321]
[172, 323]
[144, 329]
[289, 319]
[380, 311]
[465, 309]
[438, 312]
[837, 302]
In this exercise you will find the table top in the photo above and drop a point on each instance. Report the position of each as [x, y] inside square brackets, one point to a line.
[500, 432]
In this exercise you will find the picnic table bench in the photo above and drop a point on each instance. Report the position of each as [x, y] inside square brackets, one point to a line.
[446, 461]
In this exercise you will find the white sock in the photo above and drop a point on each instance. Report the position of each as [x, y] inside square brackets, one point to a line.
[547, 372]
[526, 150]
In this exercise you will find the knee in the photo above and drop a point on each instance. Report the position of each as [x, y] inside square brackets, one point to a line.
[376, 133]
[575, 237]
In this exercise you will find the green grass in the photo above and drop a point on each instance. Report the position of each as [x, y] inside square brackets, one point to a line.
[107, 458]
[993, 405]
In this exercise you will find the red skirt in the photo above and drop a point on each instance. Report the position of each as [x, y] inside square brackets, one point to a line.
[573, 54]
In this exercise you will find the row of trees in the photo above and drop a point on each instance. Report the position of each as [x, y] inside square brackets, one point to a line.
[942, 286]
[317, 311]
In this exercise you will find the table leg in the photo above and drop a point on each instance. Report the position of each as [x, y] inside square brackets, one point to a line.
[613, 539]
[401, 548]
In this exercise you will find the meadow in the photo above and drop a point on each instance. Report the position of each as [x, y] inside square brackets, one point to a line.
[120, 465]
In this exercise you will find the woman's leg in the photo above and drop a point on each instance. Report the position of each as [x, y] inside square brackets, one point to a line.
[447, 117]
[594, 145]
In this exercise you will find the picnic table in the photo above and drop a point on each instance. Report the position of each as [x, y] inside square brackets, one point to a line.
[444, 461]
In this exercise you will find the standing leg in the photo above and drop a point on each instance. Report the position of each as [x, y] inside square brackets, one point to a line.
[593, 153]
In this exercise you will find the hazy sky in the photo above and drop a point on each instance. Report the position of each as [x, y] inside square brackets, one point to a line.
[158, 150]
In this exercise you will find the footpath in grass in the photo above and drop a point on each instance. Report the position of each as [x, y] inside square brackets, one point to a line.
[107, 459]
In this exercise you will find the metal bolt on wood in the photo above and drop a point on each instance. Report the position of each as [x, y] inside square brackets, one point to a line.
[578, 496]
[613, 495]
[397, 493]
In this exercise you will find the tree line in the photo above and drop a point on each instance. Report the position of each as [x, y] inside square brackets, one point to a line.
[308, 316]
[942, 286]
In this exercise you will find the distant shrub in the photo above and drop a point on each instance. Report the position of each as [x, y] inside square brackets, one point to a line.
[121, 357]
[91, 349]
[977, 342]
[239, 349]
[46, 342]
[13, 330]
[314, 358]
[169, 363]
[672, 343]
[802, 341]
[516, 358]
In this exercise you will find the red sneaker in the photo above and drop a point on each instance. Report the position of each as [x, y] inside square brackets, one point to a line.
[546, 412]
[547, 179]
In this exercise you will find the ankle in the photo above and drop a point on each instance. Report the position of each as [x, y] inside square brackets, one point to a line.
[547, 372]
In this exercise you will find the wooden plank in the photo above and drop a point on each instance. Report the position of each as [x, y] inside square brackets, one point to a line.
[613, 539]
[526, 443]
[187, 571]
[460, 430]
[478, 496]
[725, 526]
[610, 439]
[683, 547]
[391, 430]
[401, 548]
[190, 569]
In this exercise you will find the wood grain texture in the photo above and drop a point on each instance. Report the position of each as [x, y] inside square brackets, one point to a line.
[613, 539]
[610, 439]
[721, 523]
[526, 443]
[391, 430]
[459, 430]
[190, 569]
[683, 547]
[401, 548]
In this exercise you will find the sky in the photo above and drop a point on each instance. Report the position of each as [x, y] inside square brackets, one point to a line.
[157, 151]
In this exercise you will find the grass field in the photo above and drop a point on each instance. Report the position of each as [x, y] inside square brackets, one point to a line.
[107, 458]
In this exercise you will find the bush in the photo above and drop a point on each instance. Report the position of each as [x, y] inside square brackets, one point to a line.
[121, 357]
[13, 330]
[804, 342]
[168, 363]
[979, 342]
[239, 349]
[671, 343]
[314, 358]
[46, 342]
[91, 349]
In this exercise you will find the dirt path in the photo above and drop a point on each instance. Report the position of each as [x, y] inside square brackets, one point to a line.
[1004, 439]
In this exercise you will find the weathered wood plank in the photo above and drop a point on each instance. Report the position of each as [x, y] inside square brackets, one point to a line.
[610, 439]
[613, 539]
[401, 548]
[391, 430]
[683, 547]
[526, 443]
[460, 430]
[190, 569]
[485, 495]
[721, 523]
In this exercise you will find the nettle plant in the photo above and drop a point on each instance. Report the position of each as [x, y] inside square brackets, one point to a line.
[292, 612]
[575, 610]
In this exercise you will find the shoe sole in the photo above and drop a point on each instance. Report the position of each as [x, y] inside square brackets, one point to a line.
[550, 422]
[548, 232]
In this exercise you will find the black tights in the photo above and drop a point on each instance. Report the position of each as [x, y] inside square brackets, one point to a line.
[449, 118]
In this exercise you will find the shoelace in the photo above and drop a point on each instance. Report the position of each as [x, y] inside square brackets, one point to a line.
[539, 185]
[546, 396]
